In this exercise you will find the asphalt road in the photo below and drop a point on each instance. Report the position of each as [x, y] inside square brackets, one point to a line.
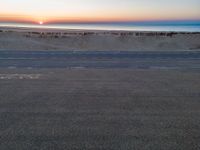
[99, 109]
[100, 59]
[50, 107]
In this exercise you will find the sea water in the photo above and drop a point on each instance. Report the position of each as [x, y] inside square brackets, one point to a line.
[136, 26]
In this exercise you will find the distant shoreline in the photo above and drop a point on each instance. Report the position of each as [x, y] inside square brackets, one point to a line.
[76, 27]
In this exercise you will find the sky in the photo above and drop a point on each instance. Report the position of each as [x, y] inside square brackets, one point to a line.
[97, 10]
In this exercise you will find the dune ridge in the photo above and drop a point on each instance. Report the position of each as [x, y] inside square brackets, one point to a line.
[52, 39]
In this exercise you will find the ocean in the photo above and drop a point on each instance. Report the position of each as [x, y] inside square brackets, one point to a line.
[138, 26]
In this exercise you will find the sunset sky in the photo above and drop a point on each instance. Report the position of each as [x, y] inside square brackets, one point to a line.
[97, 10]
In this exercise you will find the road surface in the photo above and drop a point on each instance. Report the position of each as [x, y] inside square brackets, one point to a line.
[50, 107]
[100, 59]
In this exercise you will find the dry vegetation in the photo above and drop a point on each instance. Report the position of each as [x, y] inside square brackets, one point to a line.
[36, 39]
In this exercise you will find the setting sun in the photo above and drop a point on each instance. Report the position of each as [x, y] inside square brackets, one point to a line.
[41, 22]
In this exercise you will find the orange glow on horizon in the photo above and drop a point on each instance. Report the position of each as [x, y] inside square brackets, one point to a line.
[99, 18]
[50, 11]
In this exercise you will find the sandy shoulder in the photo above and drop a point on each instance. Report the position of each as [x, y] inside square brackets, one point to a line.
[54, 39]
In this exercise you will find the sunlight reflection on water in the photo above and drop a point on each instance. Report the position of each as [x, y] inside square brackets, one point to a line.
[181, 28]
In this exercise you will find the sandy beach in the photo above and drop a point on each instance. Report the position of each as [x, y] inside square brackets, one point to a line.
[120, 90]
[54, 39]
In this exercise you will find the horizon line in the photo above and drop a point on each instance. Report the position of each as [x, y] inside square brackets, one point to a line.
[181, 21]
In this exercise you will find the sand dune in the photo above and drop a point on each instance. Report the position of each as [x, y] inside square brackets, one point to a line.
[51, 39]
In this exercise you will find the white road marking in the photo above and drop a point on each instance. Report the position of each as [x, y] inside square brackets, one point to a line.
[19, 76]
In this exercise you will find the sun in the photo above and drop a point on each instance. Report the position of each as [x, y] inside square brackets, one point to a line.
[41, 22]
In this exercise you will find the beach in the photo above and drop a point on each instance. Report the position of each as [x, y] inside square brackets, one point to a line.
[99, 90]
[96, 40]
